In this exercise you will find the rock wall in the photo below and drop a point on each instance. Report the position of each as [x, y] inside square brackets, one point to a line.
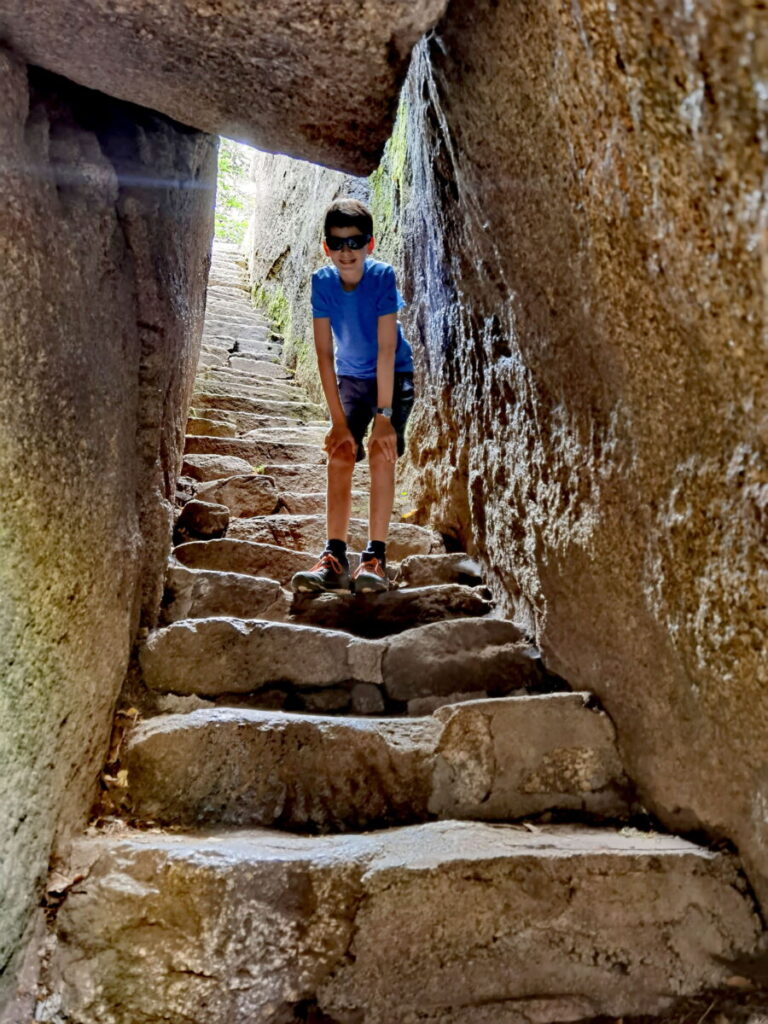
[105, 228]
[299, 76]
[587, 243]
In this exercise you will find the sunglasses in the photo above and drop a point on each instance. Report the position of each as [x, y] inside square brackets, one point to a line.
[355, 242]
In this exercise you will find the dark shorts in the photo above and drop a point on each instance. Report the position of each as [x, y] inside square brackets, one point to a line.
[359, 397]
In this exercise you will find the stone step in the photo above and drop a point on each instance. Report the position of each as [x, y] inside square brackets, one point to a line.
[379, 615]
[242, 556]
[251, 494]
[245, 421]
[217, 383]
[308, 533]
[426, 570]
[208, 359]
[314, 436]
[224, 656]
[214, 467]
[314, 504]
[257, 349]
[201, 593]
[257, 453]
[306, 477]
[264, 368]
[493, 760]
[444, 923]
[251, 374]
[301, 411]
[203, 427]
[215, 656]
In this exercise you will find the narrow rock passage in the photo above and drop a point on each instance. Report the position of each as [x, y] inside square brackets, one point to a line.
[272, 721]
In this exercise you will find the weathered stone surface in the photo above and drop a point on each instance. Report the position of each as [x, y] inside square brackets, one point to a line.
[101, 302]
[298, 435]
[228, 655]
[243, 767]
[244, 421]
[367, 699]
[250, 494]
[425, 570]
[214, 467]
[446, 657]
[254, 451]
[268, 370]
[302, 411]
[429, 705]
[576, 922]
[184, 61]
[202, 519]
[202, 593]
[594, 414]
[377, 615]
[299, 478]
[230, 382]
[308, 533]
[228, 555]
[515, 756]
[210, 428]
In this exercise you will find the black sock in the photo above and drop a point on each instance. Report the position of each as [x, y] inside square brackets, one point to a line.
[338, 549]
[377, 548]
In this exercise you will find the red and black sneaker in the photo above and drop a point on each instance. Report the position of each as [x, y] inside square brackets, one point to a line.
[328, 574]
[370, 576]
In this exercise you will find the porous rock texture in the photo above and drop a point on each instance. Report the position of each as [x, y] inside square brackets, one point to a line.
[587, 245]
[101, 300]
[567, 924]
[263, 73]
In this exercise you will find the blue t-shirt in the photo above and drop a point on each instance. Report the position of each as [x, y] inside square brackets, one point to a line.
[355, 316]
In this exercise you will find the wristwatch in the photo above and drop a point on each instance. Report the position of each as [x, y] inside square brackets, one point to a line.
[385, 410]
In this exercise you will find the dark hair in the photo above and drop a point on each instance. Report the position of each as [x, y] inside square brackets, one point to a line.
[348, 213]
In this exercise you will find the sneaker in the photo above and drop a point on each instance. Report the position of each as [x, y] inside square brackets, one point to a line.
[370, 576]
[328, 574]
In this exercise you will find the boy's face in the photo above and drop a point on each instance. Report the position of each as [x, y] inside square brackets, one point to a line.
[348, 262]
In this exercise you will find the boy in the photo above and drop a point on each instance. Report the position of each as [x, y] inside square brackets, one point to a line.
[355, 301]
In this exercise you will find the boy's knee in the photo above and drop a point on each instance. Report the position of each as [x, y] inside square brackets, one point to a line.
[343, 458]
[377, 458]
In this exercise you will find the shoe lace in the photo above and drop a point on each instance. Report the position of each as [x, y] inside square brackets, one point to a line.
[325, 560]
[372, 564]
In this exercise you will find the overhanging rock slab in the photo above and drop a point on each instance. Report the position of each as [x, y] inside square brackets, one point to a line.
[434, 922]
[263, 73]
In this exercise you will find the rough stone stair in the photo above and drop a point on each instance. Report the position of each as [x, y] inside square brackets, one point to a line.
[371, 810]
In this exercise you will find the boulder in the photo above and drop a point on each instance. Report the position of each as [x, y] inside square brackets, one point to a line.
[102, 293]
[467, 653]
[480, 924]
[214, 467]
[242, 767]
[202, 593]
[247, 494]
[308, 533]
[595, 414]
[202, 520]
[242, 556]
[228, 655]
[498, 760]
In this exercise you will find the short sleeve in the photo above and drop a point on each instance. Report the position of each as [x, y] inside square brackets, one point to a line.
[389, 299]
[320, 304]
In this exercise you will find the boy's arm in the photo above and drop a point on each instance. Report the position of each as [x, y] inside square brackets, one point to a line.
[339, 433]
[383, 432]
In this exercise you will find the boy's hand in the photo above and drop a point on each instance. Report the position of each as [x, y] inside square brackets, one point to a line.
[337, 436]
[384, 435]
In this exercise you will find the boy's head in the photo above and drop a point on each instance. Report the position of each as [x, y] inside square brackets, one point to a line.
[348, 238]
[348, 213]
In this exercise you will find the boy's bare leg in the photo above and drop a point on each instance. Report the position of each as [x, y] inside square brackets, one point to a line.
[382, 496]
[339, 491]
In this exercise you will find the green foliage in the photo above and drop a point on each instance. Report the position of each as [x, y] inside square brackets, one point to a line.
[272, 299]
[232, 192]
